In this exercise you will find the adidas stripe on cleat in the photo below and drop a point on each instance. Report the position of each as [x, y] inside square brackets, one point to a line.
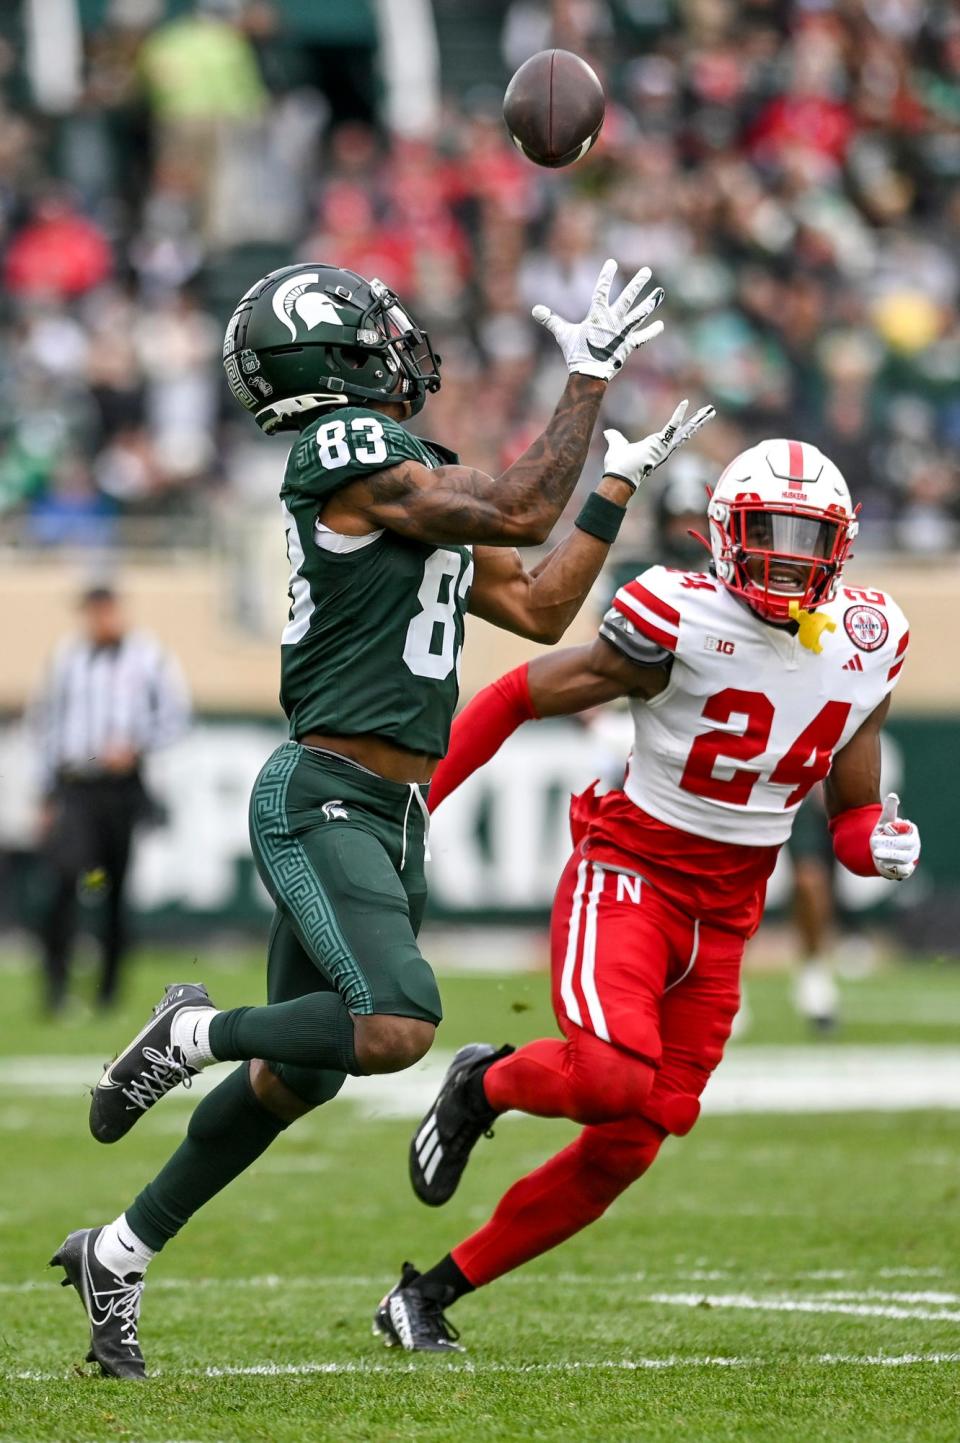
[147, 1069]
[441, 1146]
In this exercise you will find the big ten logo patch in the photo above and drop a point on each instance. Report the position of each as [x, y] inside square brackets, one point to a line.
[719, 644]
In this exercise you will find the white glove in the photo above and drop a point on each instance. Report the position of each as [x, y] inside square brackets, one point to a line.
[633, 461]
[599, 345]
[894, 843]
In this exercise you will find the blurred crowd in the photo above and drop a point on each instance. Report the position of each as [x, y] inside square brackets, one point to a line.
[790, 169]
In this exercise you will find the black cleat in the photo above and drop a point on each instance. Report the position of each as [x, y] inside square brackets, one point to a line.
[111, 1303]
[147, 1069]
[441, 1146]
[407, 1319]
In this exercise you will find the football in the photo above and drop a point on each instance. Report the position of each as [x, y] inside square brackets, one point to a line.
[553, 108]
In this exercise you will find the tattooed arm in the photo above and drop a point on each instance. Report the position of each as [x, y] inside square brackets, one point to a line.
[460, 504]
[541, 603]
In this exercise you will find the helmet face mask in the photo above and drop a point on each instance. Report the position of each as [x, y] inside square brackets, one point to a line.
[781, 528]
[412, 344]
[784, 557]
[313, 336]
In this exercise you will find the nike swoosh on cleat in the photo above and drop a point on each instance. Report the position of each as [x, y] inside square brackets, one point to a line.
[106, 1080]
[91, 1297]
[124, 1245]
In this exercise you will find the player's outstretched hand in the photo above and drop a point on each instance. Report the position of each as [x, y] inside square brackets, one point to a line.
[632, 461]
[894, 843]
[599, 345]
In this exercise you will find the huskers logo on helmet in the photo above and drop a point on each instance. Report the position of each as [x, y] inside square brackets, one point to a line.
[310, 336]
[781, 527]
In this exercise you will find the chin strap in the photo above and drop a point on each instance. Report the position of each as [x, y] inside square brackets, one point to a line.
[811, 625]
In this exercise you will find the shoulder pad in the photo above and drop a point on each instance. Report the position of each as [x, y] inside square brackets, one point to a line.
[635, 645]
[642, 602]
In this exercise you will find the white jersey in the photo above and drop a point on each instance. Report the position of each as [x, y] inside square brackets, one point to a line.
[750, 718]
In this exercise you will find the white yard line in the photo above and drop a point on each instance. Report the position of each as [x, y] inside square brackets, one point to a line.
[623, 1365]
[868, 1294]
[821, 1305]
[904, 1306]
[761, 1079]
[777, 1299]
[824, 1079]
[824, 1274]
[815, 1275]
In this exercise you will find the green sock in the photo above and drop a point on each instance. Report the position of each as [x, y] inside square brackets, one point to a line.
[311, 1031]
[228, 1131]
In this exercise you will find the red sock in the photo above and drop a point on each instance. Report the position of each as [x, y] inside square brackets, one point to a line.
[560, 1198]
[582, 1078]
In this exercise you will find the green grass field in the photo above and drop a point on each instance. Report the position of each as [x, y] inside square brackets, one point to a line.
[777, 1276]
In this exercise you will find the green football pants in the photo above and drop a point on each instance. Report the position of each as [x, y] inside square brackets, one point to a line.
[341, 852]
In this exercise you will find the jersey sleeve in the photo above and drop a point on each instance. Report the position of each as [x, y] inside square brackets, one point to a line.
[880, 634]
[641, 622]
[895, 653]
[336, 450]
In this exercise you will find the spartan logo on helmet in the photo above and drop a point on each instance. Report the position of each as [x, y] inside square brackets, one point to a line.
[323, 337]
[295, 299]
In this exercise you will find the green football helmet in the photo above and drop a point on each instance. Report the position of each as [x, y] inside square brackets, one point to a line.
[311, 336]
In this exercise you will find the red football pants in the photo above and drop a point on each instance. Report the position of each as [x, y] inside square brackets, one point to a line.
[645, 997]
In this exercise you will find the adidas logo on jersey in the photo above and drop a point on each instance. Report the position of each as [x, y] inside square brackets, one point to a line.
[854, 664]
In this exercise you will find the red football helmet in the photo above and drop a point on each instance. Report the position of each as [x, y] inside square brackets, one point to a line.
[781, 527]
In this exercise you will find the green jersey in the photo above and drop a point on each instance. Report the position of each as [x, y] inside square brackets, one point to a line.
[373, 640]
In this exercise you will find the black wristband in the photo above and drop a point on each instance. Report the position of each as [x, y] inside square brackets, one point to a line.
[601, 518]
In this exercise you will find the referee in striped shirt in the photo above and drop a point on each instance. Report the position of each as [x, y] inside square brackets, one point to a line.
[111, 695]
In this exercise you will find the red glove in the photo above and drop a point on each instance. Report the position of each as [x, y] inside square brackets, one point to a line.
[481, 729]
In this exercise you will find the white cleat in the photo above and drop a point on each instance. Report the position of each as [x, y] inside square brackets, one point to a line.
[816, 995]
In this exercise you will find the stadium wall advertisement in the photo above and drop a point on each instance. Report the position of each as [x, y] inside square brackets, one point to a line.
[497, 846]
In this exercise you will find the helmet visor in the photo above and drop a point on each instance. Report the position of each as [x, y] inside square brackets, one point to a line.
[785, 534]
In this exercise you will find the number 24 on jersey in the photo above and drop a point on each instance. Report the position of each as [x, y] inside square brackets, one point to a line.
[806, 762]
